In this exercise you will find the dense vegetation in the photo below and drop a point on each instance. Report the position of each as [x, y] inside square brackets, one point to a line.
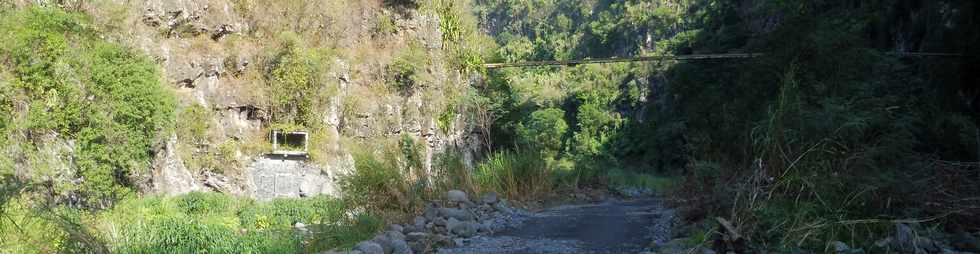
[103, 96]
[825, 137]
[61, 82]
[828, 135]
[82, 117]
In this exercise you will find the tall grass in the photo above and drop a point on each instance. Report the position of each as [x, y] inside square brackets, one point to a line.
[377, 183]
[386, 178]
[843, 166]
[390, 177]
[517, 175]
[190, 223]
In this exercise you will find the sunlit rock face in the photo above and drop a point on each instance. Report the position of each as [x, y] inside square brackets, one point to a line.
[170, 176]
[218, 54]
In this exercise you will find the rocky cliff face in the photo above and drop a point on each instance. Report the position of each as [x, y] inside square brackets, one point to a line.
[217, 54]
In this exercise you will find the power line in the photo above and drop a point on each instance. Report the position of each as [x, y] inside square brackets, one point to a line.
[677, 57]
[619, 60]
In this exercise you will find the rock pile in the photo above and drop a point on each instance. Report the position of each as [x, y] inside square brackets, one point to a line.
[678, 246]
[446, 225]
[906, 239]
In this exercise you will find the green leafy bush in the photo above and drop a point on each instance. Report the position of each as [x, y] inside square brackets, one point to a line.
[407, 70]
[543, 129]
[194, 124]
[385, 25]
[104, 96]
[297, 90]
[466, 46]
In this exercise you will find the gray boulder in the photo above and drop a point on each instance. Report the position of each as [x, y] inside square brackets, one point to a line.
[396, 227]
[399, 246]
[342, 252]
[430, 213]
[928, 245]
[485, 227]
[904, 239]
[458, 214]
[884, 243]
[417, 237]
[839, 246]
[464, 229]
[369, 247]
[467, 205]
[457, 196]
[965, 242]
[502, 207]
[384, 242]
[489, 198]
[948, 251]
[393, 242]
[419, 221]
[675, 246]
[395, 235]
[412, 228]
[907, 240]
[421, 247]
[842, 248]
[439, 221]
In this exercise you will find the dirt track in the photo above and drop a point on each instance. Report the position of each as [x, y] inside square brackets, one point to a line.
[607, 227]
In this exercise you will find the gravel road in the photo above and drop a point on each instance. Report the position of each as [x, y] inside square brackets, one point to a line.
[609, 227]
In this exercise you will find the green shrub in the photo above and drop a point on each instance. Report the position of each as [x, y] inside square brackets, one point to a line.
[385, 25]
[466, 47]
[6, 103]
[104, 96]
[193, 124]
[543, 129]
[447, 118]
[413, 152]
[407, 70]
[297, 90]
